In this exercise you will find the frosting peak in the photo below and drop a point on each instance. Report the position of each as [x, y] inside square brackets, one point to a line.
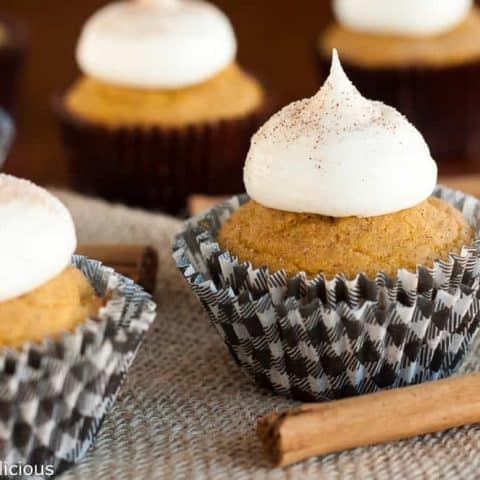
[402, 17]
[340, 99]
[156, 43]
[339, 154]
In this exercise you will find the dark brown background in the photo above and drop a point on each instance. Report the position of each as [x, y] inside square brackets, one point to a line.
[276, 39]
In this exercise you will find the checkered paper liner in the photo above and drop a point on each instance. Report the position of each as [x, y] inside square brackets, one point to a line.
[319, 339]
[54, 396]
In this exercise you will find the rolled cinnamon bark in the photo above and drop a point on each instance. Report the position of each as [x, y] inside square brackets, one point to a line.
[466, 183]
[199, 203]
[138, 262]
[317, 429]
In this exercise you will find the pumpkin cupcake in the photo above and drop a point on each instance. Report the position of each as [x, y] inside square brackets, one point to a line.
[422, 57]
[162, 109]
[345, 269]
[41, 284]
[69, 330]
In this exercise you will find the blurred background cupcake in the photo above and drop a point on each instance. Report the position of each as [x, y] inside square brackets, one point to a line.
[12, 52]
[162, 108]
[421, 56]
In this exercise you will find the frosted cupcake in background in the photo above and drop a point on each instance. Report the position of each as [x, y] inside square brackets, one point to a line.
[345, 269]
[69, 331]
[420, 56]
[162, 109]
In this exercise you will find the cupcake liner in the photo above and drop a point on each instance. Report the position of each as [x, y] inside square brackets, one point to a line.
[12, 57]
[54, 396]
[319, 339]
[442, 102]
[157, 167]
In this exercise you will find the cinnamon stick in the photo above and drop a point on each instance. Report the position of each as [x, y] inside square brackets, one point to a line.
[199, 203]
[317, 429]
[138, 262]
[467, 183]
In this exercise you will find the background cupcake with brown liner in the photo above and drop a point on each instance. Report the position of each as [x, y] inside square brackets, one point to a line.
[12, 58]
[162, 109]
[422, 57]
[344, 270]
[69, 330]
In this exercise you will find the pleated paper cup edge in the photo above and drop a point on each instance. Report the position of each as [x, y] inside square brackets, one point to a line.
[138, 321]
[184, 259]
[113, 309]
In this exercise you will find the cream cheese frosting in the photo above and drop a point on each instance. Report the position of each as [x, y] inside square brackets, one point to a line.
[338, 154]
[156, 43]
[37, 237]
[402, 17]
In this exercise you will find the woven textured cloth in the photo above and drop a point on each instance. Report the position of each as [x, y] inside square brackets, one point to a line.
[187, 411]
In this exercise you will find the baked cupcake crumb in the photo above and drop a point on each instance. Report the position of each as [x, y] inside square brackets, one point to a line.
[232, 93]
[53, 308]
[314, 243]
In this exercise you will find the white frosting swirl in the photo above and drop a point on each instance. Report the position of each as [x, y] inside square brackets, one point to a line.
[37, 237]
[339, 154]
[402, 17]
[156, 43]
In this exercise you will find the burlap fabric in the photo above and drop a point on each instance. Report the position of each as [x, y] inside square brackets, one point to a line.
[187, 411]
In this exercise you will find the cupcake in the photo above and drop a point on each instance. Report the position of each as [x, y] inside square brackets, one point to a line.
[12, 53]
[422, 57]
[69, 330]
[345, 269]
[162, 109]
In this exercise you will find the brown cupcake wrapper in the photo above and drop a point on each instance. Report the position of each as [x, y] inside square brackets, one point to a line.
[442, 102]
[12, 57]
[157, 167]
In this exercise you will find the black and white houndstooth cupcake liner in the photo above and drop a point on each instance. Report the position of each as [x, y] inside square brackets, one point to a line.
[54, 396]
[318, 339]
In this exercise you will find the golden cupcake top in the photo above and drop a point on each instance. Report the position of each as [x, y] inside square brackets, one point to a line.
[230, 94]
[57, 306]
[458, 45]
[301, 242]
